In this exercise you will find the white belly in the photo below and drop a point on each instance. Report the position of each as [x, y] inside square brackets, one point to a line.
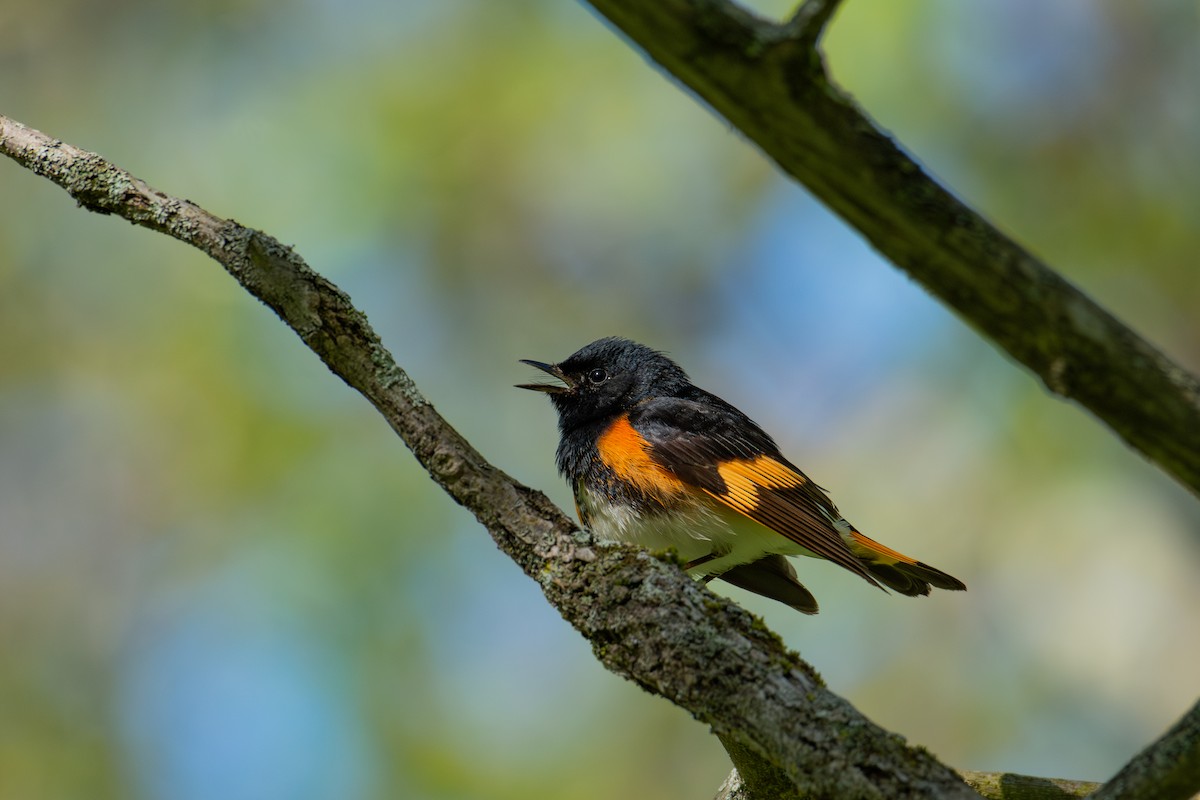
[693, 532]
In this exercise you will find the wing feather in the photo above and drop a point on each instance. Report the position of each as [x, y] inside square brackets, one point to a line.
[715, 448]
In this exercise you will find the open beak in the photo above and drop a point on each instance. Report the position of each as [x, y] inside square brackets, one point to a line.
[550, 388]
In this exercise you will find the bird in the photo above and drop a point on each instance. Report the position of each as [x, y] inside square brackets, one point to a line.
[656, 461]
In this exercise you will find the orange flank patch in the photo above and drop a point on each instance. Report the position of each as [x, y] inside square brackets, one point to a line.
[627, 454]
[744, 477]
[865, 547]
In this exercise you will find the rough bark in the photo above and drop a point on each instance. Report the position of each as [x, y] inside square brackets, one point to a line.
[1169, 769]
[1009, 786]
[769, 81]
[991, 785]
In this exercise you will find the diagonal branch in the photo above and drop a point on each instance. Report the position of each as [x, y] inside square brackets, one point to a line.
[645, 619]
[1169, 769]
[768, 81]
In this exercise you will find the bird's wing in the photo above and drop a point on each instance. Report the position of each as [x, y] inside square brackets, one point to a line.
[714, 448]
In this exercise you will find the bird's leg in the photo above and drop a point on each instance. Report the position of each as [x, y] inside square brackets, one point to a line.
[695, 562]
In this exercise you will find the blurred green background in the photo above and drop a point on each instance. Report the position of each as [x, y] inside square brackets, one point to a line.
[221, 576]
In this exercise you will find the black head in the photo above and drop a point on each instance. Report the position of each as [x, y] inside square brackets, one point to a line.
[605, 378]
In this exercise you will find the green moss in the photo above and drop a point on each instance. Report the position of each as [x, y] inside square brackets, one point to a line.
[668, 556]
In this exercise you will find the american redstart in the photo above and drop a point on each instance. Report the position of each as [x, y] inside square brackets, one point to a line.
[659, 462]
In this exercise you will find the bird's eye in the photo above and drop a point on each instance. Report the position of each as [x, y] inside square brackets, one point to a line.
[597, 376]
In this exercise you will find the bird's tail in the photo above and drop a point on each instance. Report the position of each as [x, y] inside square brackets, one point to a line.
[897, 571]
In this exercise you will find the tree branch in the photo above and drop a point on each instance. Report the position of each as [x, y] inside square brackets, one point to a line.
[771, 84]
[809, 21]
[991, 785]
[646, 620]
[1169, 769]
[1010, 786]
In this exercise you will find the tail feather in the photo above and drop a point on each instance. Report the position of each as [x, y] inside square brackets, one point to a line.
[897, 571]
[912, 579]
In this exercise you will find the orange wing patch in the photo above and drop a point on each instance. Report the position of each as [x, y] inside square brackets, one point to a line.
[777, 496]
[744, 477]
[869, 548]
[627, 453]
